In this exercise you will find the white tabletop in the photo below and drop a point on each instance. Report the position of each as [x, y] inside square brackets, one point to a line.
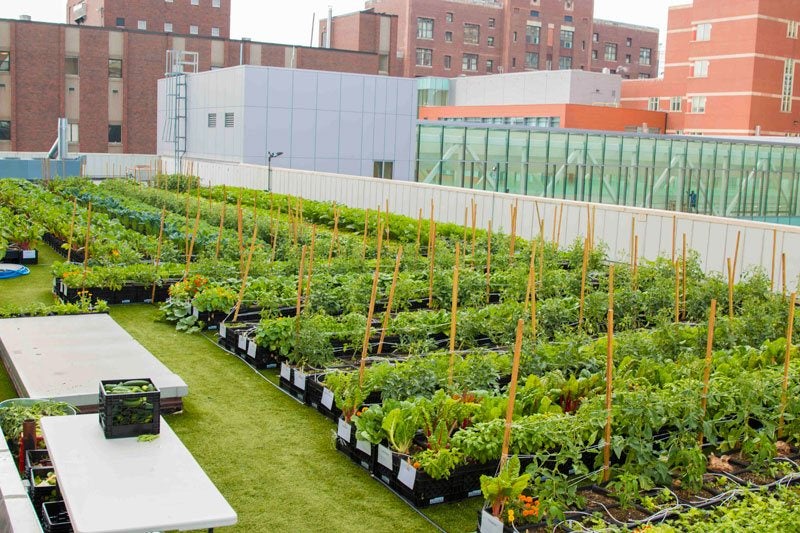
[123, 485]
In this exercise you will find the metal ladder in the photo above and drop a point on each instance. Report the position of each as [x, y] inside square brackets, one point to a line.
[179, 63]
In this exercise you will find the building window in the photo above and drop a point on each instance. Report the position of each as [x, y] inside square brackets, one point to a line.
[698, 104]
[566, 38]
[229, 120]
[115, 133]
[472, 34]
[215, 3]
[142, 25]
[212, 120]
[628, 59]
[567, 18]
[532, 34]
[788, 86]
[567, 4]
[644, 56]
[700, 69]
[628, 42]
[120, 22]
[72, 133]
[114, 68]
[447, 62]
[652, 103]
[424, 57]
[214, 32]
[611, 52]
[424, 28]
[448, 37]
[534, 13]
[5, 61]
[532, 60]
[490, 41]
[594, 55]
[514, 37]
[167, 27]
[71, 66]
[195, 2]
[5, 130]
[168, 1]
[644, 76]
[491, 23]
[489, 65]
[194, 30]
[383, 169]
[565, 62]
[703, 32]
[513, 61]
[469, 62]
[791, 29]
[675, 103]
[448, 17]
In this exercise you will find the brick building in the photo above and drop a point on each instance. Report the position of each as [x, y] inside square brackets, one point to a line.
[447, 38]
[104, 80]
[629, 50]
[211, 18]
[730, 69]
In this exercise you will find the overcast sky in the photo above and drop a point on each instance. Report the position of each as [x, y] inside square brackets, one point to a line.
[290, 22]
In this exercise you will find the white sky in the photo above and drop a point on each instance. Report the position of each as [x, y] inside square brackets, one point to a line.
[290, 22]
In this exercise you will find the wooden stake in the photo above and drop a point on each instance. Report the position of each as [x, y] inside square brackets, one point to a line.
[555, 223]
[712, 320]
[674, 235]
[677, 292]
[488, 261]
[419, 228]
[512, 245]
[786, 360]
[474, 206]
[247, 267]
[431, 263]
[531, 271]
[158, 253]
[774, 250]
[239, 226]
[736, 253]
[194, 238]
[783, 274]
[275, 229]
[86, 244]
[609, 377]
[583, 280]
[364, 240]
[683, 277]
[533, 304]
[300, 283]
[335, 236]
[594, 213]
[633, 238]
[72, 228]
[453, 318]
[541, 255]
[373, 295]
[186, 228]
[221, 222]
[560, 217]
[311, 261]
[636, 263]
[512, 393]
[389, 303]
[730, 288]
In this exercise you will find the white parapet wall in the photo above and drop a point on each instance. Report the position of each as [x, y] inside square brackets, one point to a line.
[99, 165]
[713, 238]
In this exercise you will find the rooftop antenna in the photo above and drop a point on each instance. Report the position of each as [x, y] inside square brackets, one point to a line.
[313, 19]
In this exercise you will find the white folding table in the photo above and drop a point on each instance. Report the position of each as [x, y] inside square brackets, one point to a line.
[128, 486]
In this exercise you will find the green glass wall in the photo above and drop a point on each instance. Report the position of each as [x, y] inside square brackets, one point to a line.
[745, 179]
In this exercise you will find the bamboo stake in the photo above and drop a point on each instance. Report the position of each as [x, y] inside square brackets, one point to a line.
[513, 244]
[772, 270]
[453, 318]
[247, 267]
[311, 261]
[474, 206]
[589, 225]
[541, 253]
[300, 281]
[373, 295]
[364, 240]
[730, 288]
[674, 235]
[783, 273]
[386, 222]
[431, 263]
[419, 228]
[736, 253]
[636, 263]
[186, 228]
[335, 236]
[512, 394]
[677, 292]
[531, 271]
[389, 303]
[275, 229]
[72, 228]
[786, 360]
[194, 238]
[555, 223]
[583, 280]
[633, 238]
[560, 217]
[221, 223]
[86, 245]
[533, 304]
[240, 227]
[488, 261]
[609, 377]
[594, 213]
[683, 304]
[158, 253]
[466, 230]
[712, 319]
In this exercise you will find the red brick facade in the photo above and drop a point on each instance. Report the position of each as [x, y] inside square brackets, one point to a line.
[630, 51]
[39, 86]
[181, 14]
[367, 31]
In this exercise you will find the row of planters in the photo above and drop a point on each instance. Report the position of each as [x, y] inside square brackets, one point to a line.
[19, 236]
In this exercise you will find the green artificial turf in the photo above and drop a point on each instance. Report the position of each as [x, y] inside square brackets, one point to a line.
[272, 458]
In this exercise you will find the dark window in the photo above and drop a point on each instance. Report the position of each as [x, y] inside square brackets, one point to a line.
[448, 37]
[5, 130]
[491, 23]
[534, 13]
[490, 41]
[469, 62]
[114, 68]
[121, 22]
[532, 60]
[115, 133]
[628, 41]
[5, 61]
[564, 63]
[532, 34]
[447, 62]
[424, 28]
[489, 65]
[566, 38]
[448, 17]
[567, 18]
[383, 169]
[472, 34]
[71, 66]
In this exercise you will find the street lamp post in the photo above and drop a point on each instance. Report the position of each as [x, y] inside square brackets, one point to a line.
[270, 156]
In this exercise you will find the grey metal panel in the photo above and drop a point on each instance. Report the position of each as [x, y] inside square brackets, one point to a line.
[304, 90]
[351, 130]
[328, 91]
[279, 132]
[279, 88]
[303, 134]
[352, 93]
[255, 135]
[255, 88]
[326, 129]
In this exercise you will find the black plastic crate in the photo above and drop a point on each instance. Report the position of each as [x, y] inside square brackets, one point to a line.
[41, 493]
[363, 453]
[36, 458]
[293, 380]
[464, 482]
[129, 414]
[55, 518]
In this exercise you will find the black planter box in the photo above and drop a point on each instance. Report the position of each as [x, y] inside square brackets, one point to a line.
[363, 453]
[293, 381]
[55, 518]
[13, 256]
[43, 493]
[116, 409]
[36, 458]
[321, 398]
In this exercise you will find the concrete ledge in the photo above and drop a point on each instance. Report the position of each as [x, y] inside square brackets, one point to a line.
[17, 516]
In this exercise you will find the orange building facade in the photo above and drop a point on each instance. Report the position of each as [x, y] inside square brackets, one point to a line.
[730, 69]
[572, 116]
